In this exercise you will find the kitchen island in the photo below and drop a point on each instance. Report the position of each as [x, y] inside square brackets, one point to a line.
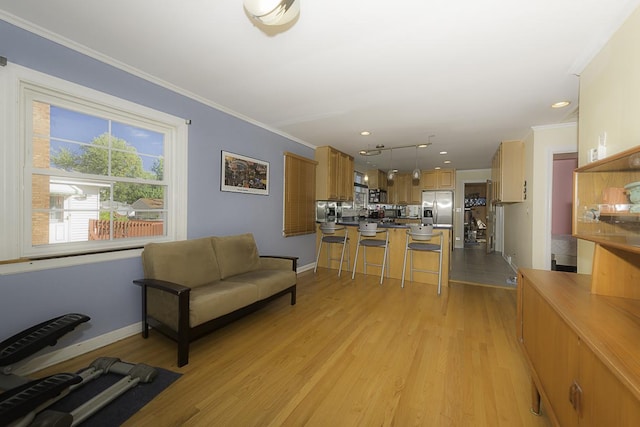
[397, 243]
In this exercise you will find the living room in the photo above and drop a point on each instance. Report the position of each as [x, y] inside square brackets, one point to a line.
[36, 290]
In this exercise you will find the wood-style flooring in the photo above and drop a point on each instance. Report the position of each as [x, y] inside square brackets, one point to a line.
[350, 353]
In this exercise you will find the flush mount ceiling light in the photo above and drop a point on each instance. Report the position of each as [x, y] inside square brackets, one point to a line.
[272, 12]
[560, 104]
[365, 133]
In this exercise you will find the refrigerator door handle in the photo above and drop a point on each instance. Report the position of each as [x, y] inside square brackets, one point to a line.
[435, 212]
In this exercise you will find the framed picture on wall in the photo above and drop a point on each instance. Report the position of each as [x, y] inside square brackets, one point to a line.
[242, 174]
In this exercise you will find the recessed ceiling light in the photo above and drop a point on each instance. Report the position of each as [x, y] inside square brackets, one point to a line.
[423, 145]
[363, 152]
[560, 104]
[437, 167]
[446, 162]
[365, 133]
[443, 152]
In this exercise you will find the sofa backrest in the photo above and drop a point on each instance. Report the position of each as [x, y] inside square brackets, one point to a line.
[236, 254]
[190, 263]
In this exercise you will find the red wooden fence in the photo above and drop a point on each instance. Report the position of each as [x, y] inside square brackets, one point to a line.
[100, 229]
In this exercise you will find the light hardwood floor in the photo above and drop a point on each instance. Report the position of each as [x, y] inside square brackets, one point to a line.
[350, 353]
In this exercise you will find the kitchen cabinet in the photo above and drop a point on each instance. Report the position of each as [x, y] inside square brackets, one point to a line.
[438, 179]
[403, 190]
[377, 179]
[507, 173]
[399, 189]
[580, 334]
[334, 176]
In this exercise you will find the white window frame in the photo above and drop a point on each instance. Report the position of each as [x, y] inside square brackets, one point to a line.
[15, 174]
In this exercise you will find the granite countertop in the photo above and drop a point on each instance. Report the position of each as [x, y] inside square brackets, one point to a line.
[384, 225]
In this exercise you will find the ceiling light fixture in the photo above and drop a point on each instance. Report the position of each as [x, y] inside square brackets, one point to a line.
[272, 12]
[365, 133]
[392, 173]
[380, 148]
[560, 104]
[415, 175]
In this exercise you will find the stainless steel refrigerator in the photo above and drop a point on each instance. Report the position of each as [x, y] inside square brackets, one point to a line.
[437, 208]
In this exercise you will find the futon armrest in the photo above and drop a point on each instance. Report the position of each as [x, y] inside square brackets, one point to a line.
[292, 259]
[163, 285]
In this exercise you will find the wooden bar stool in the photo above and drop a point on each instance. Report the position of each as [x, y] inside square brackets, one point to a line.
[367, 230]
[417, 236]
[328, 230]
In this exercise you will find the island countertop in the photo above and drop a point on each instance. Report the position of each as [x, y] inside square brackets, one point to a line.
[397, 243]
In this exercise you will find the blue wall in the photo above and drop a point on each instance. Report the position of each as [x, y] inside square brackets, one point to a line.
[104, 290]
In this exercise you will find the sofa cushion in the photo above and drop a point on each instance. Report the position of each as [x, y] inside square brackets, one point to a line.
[219, 298]
[268, 282]
[236, 254]
[189, 263]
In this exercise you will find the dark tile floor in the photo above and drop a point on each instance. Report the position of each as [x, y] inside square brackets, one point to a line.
[473, 265]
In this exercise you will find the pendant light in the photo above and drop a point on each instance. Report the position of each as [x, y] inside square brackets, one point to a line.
[415, 175]
[392, 173]
[272, 12]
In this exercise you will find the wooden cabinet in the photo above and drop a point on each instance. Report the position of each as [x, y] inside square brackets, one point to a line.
[334, 176]
[415, 192]
[439, 179]
[582, 350]
[602, 210]
[507, 173]
[581, 333]
[377, 179]
[403, 190]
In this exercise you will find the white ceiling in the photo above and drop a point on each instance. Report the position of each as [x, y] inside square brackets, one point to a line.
[470, 72]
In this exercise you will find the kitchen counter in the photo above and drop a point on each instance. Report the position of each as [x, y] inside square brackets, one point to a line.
[397, 242]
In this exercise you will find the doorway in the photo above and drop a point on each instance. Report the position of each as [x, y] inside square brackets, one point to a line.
[563, 244]
[480, 262]
[475, 215]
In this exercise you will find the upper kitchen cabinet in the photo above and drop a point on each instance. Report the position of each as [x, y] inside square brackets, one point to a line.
[334, 176]
[439, 179]
[377, 179]
[507, 173]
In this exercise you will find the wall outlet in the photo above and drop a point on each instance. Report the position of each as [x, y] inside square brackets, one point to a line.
[593, 155]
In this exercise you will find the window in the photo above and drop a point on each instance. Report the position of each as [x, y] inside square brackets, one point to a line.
[98, 173]
[299, 195]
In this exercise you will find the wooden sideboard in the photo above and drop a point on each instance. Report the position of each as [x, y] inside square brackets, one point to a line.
[583, 350]
[580, 334]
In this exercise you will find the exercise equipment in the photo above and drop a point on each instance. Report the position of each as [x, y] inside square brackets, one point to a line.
[24, 402]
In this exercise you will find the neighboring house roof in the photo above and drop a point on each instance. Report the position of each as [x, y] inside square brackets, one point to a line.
[145, 203]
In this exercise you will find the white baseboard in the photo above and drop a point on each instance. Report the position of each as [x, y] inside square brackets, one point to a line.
[66, 353]
[306, 268]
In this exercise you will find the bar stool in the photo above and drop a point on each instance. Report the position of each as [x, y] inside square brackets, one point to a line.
[328, 230]
[370, 229]
[417, 235]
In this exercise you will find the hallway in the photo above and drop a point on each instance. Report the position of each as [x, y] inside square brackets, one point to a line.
[474, 266]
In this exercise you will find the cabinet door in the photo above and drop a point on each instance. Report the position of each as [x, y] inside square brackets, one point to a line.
[416, 192]
[403, 188]
[605, 400]
[446, 179]
[552, 348]
[345, 177]
[429, 180]
[332, 177]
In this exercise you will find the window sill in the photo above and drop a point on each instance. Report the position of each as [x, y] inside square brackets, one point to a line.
[69, 261]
